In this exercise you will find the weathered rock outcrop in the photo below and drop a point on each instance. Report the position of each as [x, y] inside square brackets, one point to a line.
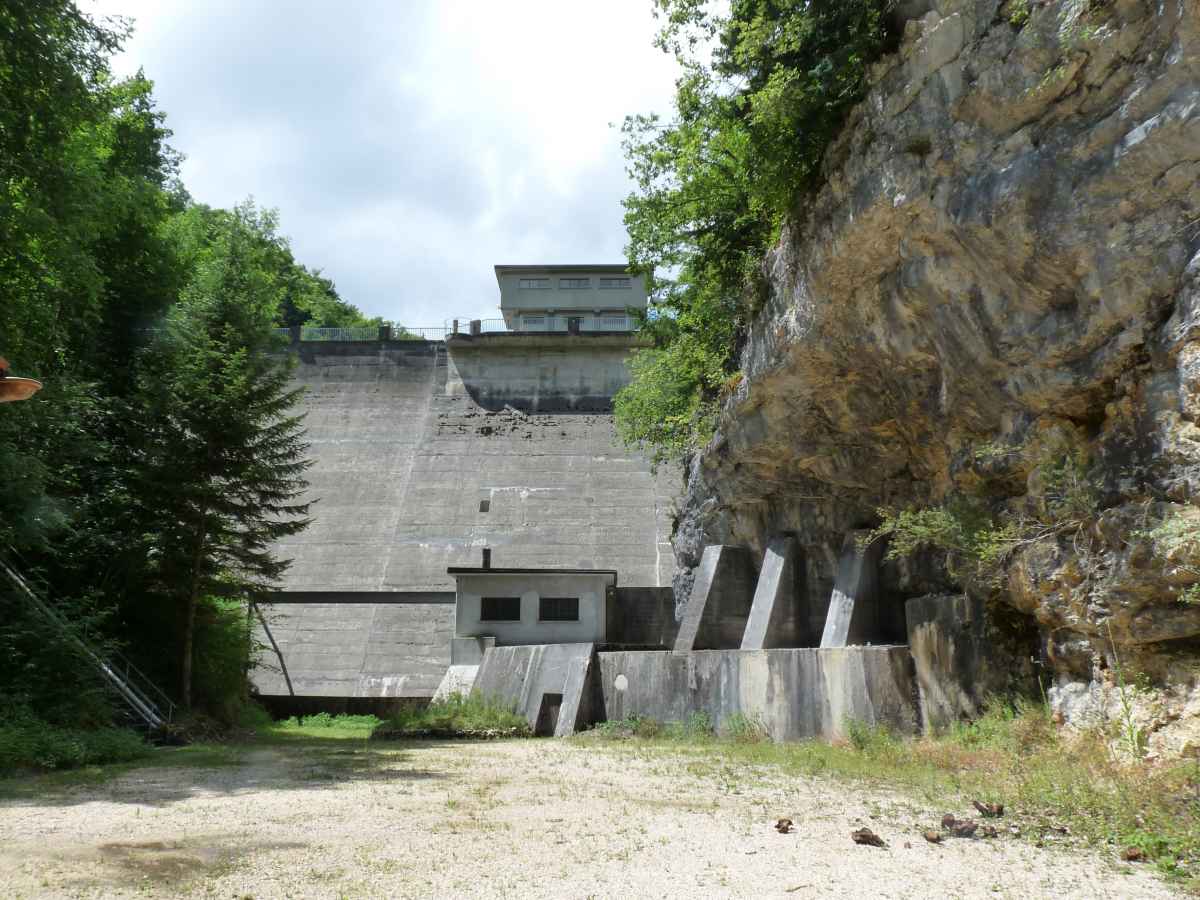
[1001, 273]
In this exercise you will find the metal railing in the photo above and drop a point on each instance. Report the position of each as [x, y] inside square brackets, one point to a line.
[408, 333]
[369, 333]
[144, 699]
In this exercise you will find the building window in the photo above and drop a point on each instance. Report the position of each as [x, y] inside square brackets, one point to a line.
[485, 505]
[615, 284]
[558, 609]
[574, 284]
[534, 321]
[499, 609]
[535, 284]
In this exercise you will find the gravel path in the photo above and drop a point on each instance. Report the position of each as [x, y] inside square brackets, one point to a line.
[514, 819]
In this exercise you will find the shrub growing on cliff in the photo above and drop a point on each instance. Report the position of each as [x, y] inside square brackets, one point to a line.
[979, 536]
[753, 120]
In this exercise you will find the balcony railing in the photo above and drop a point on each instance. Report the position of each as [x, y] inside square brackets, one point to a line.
[542, 325]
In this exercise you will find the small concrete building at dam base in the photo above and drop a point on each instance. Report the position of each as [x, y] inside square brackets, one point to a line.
[477, 526]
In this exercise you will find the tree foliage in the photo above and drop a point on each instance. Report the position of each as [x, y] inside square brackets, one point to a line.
[764, 89]
[145, 483]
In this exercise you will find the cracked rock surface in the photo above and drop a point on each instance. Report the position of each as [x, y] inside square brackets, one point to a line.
[1005, 257]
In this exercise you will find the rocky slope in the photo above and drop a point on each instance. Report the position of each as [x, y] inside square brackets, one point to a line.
[996, 295]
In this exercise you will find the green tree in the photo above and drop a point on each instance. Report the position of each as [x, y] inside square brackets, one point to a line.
[225, 455]
[764, 90]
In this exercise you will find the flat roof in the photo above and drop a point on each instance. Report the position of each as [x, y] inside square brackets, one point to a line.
[620, 268]
[461, 570]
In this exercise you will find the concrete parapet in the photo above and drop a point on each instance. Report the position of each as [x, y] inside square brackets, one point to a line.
[794, 693]
[854, 614]
[551, 685]
[716, 613]
[775, 616]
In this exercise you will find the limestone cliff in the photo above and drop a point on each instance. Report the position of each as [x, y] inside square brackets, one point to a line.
[1001, 271]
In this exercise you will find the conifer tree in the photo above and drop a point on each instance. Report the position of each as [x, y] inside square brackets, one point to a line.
[225, 455]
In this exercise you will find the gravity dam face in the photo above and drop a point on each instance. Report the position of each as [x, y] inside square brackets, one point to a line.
[423, 454]
[411, 474]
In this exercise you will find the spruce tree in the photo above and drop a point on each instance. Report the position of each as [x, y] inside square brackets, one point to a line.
[224, 455]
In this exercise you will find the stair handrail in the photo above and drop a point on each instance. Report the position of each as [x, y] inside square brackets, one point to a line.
[134, 694]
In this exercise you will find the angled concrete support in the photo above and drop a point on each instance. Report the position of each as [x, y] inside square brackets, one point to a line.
[854, 615]
[775, 619]
[716, 613]
[551, 685]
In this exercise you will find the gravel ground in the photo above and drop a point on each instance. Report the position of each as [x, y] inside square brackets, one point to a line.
[526, 819]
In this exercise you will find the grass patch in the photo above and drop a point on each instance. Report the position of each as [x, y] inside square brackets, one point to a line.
[456, 716]
[321, 726]
[1013, 755]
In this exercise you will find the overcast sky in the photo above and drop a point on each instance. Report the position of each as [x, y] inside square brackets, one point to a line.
[408, 145]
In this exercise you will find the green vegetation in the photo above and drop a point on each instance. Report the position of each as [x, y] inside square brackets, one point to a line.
[1048, 780]
[27, 742]
[978, 534]
[321, 726]
[456, 716]
[715, 185]
[1018, 13]
[1176, 538]
[140, 490]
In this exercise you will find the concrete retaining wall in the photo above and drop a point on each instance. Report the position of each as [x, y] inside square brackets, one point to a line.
[794, 693]
[961, 659]
[334, 646]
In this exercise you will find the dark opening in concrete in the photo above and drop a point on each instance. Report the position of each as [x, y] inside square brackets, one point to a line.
[547, 720]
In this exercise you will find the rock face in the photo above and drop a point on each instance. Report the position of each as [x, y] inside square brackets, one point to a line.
[999, 283]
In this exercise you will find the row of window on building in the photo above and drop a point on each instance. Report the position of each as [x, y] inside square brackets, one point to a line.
[508, 609]
[576, 284]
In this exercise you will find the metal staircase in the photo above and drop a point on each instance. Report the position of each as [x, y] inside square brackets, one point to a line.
[147, 704]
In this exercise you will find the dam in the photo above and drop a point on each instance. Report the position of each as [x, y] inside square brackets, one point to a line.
[424, 452]
[477, 524]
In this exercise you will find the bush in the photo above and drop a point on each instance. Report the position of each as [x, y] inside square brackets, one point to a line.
[27, 742]
[457, 716]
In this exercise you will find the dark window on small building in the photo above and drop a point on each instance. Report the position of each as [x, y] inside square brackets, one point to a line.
[558, 609]
[485, 505]
[500, 609]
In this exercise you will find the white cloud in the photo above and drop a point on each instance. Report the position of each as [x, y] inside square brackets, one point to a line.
[409, 146]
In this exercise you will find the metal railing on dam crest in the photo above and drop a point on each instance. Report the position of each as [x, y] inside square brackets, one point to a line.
[607, 324]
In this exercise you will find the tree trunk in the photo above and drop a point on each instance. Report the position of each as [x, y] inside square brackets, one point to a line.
[189, 626]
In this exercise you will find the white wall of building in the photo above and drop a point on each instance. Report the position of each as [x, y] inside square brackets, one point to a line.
[590, 589]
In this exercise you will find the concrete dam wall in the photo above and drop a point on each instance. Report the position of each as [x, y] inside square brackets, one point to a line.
[412, 474]
[425, 453]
